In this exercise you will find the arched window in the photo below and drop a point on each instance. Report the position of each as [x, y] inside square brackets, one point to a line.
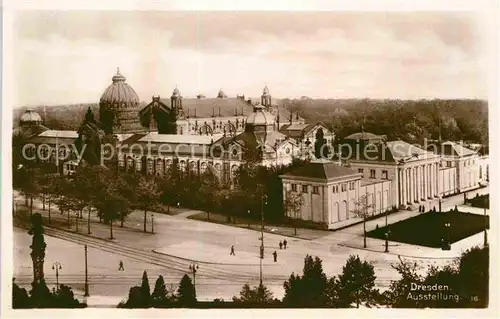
[159, 166]
[203, 168]
[182, 166]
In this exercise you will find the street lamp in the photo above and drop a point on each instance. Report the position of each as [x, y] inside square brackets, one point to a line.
[387, 241]
[439, 199]
[57, 266]
[447, 225]
[485, 243]
[194, 268]
[152, 223]
[248, 218]
[264, 202]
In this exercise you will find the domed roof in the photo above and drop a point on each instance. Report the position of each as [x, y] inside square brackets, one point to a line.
[176, 92]
[260, 116]
[265, 91]
[30, 116]
[120, 92]
[221, 94]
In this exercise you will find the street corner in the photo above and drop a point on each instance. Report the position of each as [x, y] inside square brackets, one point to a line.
[211, 254]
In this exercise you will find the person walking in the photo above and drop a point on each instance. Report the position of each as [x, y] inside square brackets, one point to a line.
[121, 266]
[232, 251]
[284, 244]
[275, 255]
[281, 245]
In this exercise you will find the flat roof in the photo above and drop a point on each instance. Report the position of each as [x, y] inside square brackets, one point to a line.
[181, 139]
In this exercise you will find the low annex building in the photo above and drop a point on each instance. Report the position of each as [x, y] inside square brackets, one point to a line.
[330, 193]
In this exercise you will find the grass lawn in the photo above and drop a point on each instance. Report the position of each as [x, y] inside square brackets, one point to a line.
[428, 229]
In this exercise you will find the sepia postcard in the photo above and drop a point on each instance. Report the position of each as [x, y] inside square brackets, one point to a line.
[169, 160]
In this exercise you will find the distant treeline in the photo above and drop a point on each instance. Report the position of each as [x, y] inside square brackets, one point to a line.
[409, 120]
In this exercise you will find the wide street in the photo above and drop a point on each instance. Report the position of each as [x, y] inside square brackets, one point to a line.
[179, 241]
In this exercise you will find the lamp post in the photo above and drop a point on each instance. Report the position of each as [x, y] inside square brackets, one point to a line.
[194, 268]
[447, 225]
[76, 221]
[387, 241]
[264, 202]
[57, 266]
[86, 275]
[485, 243]
[248, 211]
[439, 199]
[152, 223]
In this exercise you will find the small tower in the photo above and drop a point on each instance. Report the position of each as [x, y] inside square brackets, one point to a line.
[221, 95]
[265, 99]
[176, 99]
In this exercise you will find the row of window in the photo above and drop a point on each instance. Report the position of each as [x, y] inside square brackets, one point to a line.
[305, 189]
[373, 173]
[315, 189]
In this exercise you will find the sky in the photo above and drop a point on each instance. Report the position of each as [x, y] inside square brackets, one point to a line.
[65, 57]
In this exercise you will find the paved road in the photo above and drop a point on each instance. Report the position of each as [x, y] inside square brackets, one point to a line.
[191, 240]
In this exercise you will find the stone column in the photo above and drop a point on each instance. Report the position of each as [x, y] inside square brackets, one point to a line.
[438, 182]
[429, 178]
[404, 186]
[412, 186]
[424, 181]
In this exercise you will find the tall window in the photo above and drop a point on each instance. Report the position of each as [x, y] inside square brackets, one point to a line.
[315, 189]
[384, 174]
[351, 186]
[294, 187]
[344, 187]
[304, 188]
[372, 173]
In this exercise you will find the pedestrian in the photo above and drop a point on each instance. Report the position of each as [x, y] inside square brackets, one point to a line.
[281, 245]
[284, 244]
[275, 255]
[232, 251]
[121, 266]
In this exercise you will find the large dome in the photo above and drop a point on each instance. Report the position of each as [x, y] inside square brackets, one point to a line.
[120, 92]
[260, 118]
[119, 107]
[30, 117]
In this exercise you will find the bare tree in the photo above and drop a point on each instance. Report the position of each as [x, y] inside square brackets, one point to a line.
[292, 204]
[360, 210]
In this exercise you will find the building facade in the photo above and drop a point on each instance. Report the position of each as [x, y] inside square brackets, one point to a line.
[330, 194]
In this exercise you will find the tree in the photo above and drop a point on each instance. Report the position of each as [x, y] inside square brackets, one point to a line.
[145, 290]
[310, 290]
[360, 210]
[29, 184]
[473, 277]
[319, 151]
[259, 295]
[356, 283]
[65, 298]
[159, 297]
[186, 296]
[147, 194]
[20, 298]
[292, 204]
[397, 294]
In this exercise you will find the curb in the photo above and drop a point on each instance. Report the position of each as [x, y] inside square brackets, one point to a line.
[394, 254]
[206, 262]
